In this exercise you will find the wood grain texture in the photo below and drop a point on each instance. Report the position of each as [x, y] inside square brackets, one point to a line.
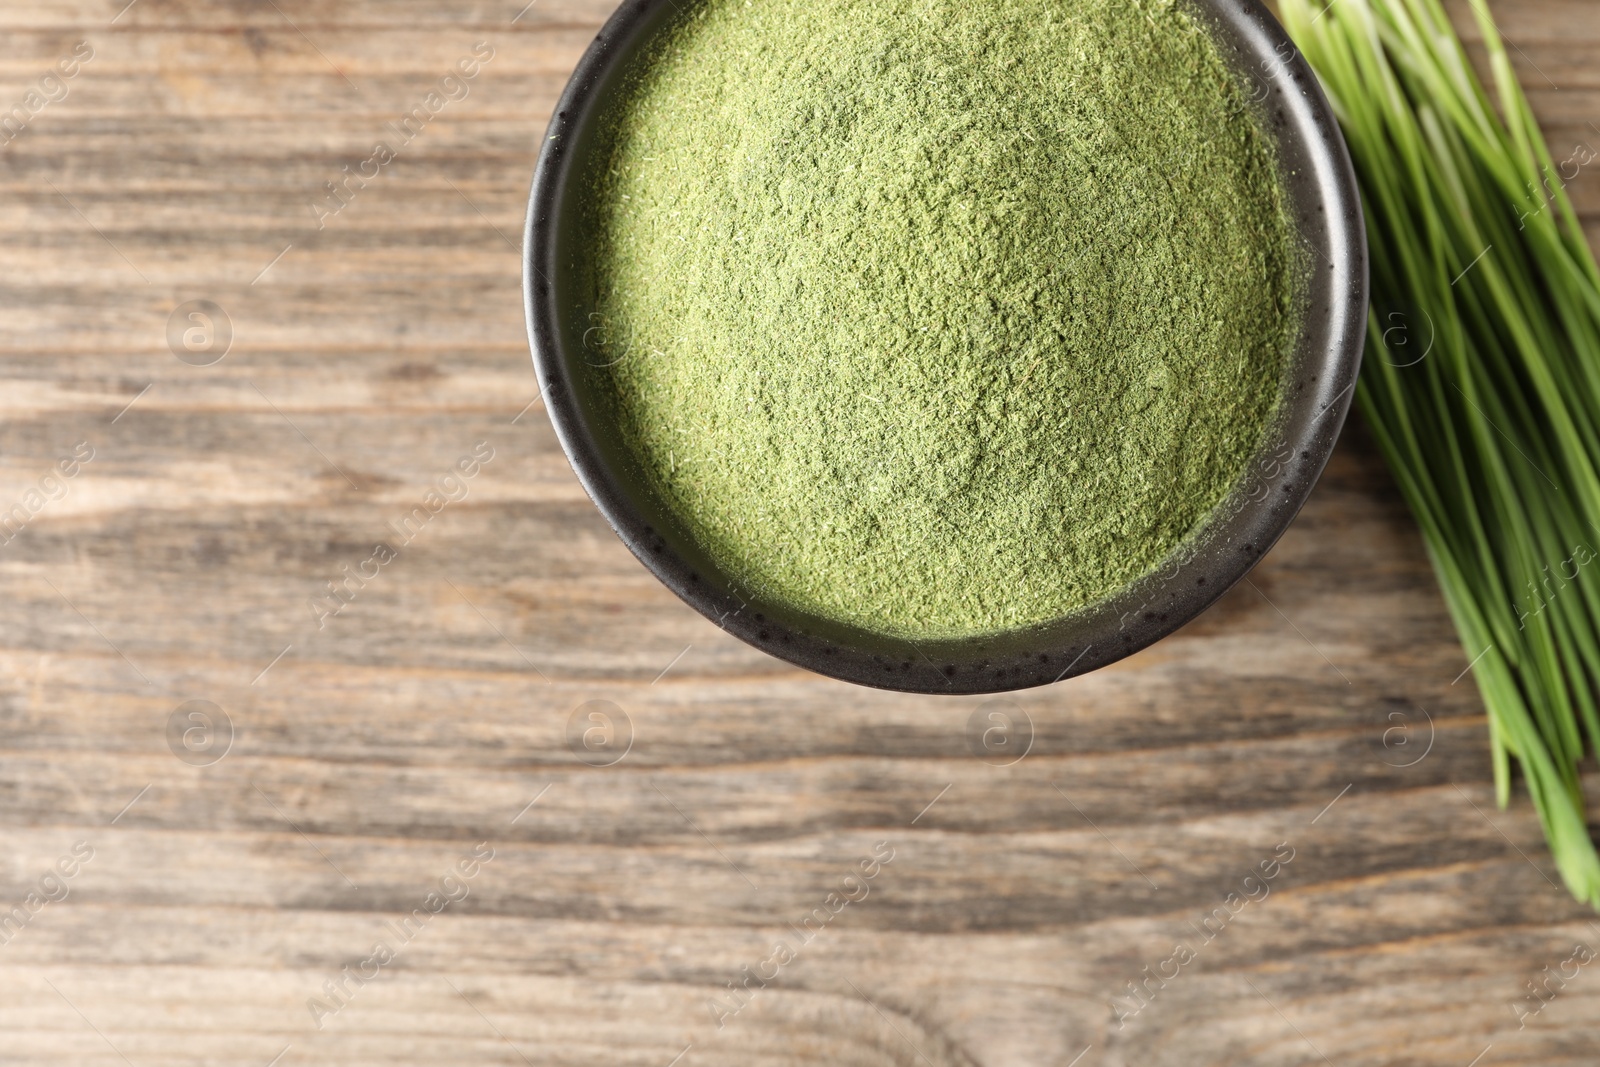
[1317, 709]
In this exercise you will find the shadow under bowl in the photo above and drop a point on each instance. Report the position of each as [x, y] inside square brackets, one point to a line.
[1324, 205]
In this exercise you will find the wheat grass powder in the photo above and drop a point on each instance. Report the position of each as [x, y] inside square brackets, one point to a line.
[937, 317]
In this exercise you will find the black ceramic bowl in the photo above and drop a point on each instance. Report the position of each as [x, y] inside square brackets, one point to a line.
[1288, 106]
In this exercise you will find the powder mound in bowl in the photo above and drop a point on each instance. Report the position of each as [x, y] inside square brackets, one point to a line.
[937, 317]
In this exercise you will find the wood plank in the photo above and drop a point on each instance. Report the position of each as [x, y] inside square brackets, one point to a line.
[1321, 710]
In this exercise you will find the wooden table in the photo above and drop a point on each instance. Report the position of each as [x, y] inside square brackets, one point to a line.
[243, 865]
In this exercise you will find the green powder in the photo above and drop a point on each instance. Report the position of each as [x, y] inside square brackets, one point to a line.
[938, 317]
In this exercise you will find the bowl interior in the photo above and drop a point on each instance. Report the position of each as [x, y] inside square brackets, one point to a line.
[1287, 105]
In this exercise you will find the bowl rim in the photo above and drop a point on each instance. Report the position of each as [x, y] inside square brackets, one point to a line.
[1293, 112]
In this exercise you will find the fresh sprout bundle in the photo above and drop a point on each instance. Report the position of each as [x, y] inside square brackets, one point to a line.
[1482, 375]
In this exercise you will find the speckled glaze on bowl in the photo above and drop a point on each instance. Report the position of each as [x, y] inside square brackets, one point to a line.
[1288, 106]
